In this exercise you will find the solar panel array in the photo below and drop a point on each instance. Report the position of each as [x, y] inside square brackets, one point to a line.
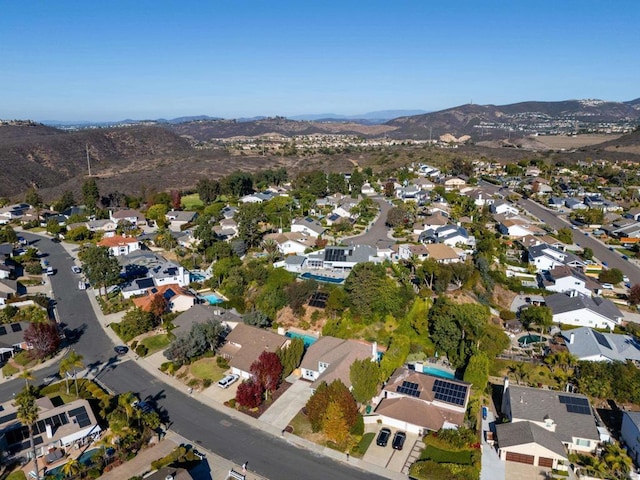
[16, 327]
[601, 339]
[318, 300]
[576, 404]
[3, 330]
[450, 392]
[8, 418]
[40, 427]
[335, 255]
[409, 388]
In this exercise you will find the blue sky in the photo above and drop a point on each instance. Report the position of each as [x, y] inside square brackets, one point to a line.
[110, 60]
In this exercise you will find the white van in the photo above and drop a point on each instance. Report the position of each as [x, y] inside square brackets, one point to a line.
[49, 270]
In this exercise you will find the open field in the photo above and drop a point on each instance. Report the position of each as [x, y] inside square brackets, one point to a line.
[559, 142]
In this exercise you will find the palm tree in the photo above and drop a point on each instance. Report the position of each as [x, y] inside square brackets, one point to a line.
[71, 363]
[71, 468]
[27, 375]
[125, 403]
[617, 460]
[519, 370]
[28, 414]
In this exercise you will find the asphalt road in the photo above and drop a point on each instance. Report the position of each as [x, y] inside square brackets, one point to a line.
[378, 232]
[269, 456]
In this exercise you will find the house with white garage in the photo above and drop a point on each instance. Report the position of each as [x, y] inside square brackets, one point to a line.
[590, 345]
[630, 435]
[342, 259]
[417, 402]
[119, 245]
[178, 219]
[308, 226]
[546, 257]
[127, 215]
[573, 308]
[330, 358]
[292, 243]
[529, 443]
[568, 416]
[244, 344]
[451, 235]
[504, 208]
[565, 279]
[407, 251]
[443, 253]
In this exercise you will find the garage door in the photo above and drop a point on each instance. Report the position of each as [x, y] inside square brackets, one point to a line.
[545, 462]
[520, 458]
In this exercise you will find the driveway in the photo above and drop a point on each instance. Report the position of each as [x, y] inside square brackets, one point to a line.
[387, 457]
[288, 405]
[520, 471]
[492, 467]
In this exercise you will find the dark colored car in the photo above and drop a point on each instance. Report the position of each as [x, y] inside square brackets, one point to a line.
[56, 240]
[624, 257]
[383, 437]
[121, 349]
[398, 440]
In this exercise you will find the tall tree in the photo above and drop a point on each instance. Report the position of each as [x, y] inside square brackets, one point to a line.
[33, 198]
[27, 375]
[28, 414]
[44, 339]
[71, 364]
[100, 266]
[90, 194]
[267, 371]
[335, 425]
[364, 375]
[249, 217]
[249, 394]
[291, 356]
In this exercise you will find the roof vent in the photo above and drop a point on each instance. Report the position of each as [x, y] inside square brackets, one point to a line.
[169, 476]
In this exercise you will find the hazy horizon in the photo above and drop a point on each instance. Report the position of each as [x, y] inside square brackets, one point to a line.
[71, 61]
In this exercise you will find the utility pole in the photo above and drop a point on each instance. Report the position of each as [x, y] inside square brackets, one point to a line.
[86, 146]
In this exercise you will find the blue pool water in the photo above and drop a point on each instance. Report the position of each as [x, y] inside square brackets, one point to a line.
[213, 299]
[85, 459]
[437, 372]
[197, 277]
[321, 278]
[307, 339]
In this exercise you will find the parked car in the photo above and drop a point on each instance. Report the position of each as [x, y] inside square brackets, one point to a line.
[625, 279]
[383, 437]
[121, 349]
[607, 286]
[50, 271]
[611, 249]
[398, 440]
[624, 257]
[76, 269]
[199, 454]
[228, 380]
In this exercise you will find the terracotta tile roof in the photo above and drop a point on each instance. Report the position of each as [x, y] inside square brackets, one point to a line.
[116, 241]
[168, 291]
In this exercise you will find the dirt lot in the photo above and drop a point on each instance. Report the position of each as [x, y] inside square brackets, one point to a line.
[559, 142]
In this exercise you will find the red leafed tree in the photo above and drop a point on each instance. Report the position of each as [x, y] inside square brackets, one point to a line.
[176, 199]
[634, 294]
[159, 305]
[266, 371]
[249, 394]
[43, 338]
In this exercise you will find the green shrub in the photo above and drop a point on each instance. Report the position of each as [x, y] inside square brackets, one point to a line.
[222, 362]
[507, 315]
[9, 370]
[142, 350]
[358, 427]
[207, 382]
[134, 344]
[362, 446]
[22, 358]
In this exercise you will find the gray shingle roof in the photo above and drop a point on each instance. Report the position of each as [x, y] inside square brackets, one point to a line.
[588, 342]
[568, 302]
[537, 405]
[523, 433]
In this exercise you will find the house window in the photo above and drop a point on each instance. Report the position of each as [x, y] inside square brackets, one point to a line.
[583, 443]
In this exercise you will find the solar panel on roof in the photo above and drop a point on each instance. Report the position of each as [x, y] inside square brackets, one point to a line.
[450, 392]
[77, 411]
[16, 327]
[83, 422]
[8, 418]
[601, 339]
[3, 330]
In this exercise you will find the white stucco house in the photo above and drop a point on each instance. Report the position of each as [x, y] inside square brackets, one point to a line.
[308, 226]
[573, 308]
[119, 245]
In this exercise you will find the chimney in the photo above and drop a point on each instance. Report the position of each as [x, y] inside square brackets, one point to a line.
[49, 431]
[571, 338]
[573, 293]
[374, 352]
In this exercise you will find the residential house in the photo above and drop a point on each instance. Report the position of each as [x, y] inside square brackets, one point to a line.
[245, 343]
[228, 211]
[106, 225]
[518, 227]
[258, 197]
[454, 183]
[119, 245]
[179, 219]
[532, 172]
[631, 230]
[443, 253]
[202, 313]
[330, 358]
[529, 241]
[10, 288]
[556, 203]
[482, 198]
[368, 189]
[411, 193]
[148, 269]
[132, 216]
[541, 186]
[574, 204]
[573, 308]
[226, 229]
[504, 208]
[417, 403]
[63, 426]
[593, 201]
[343, 209]
[292, 263]
[568, 416]
[633, 213]
[341, 259]
[529, 443]
[12, 339]
[170, 473]
[630, 435]
[565, 279]
[407, 251]
[308, 226]
[178, 298]
[292, 243]
[592, 346]
[13, 212]
[451, 235]
[546, 257]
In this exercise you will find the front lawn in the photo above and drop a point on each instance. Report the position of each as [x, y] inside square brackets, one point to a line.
[461, 457]
[191, 202]
[206, 369]
[156, 343]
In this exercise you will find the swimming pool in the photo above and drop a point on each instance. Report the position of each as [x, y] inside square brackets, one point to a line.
[85, 459]
[437, 372]
[307, 339]
[197, 277]
[321, 278]
[529, 339]
[213, 299]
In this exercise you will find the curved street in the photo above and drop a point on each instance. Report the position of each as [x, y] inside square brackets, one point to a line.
[268, 455]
